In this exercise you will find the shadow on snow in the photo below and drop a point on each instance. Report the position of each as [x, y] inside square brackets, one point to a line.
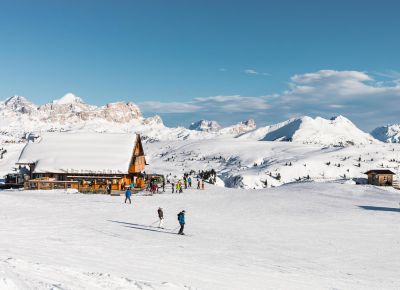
[144, 227]
[379, 208]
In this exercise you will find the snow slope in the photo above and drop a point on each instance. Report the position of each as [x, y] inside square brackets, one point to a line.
[302, 236]
[254, 164]
[338, 131]
[388, 133]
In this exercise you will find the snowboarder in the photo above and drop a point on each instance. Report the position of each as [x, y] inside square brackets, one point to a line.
[181, 219]
[128, 194]
[160, 217]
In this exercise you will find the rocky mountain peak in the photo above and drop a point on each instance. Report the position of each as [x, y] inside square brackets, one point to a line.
[205, 126]
[20, 104]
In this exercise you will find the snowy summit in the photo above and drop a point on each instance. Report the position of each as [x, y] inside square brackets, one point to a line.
[68, 98]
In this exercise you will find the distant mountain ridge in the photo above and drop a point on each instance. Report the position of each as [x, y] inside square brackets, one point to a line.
[388, 133]
[337, 131]
[215, 127]
[205, 126]
[71, 113]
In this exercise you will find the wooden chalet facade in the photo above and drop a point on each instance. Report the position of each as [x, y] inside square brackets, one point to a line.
[115, 160]
[380, 177]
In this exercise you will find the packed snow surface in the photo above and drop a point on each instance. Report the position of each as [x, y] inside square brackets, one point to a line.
[299, 236]
[80, 153]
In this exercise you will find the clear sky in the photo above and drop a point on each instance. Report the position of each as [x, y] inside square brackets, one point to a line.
[224, 60]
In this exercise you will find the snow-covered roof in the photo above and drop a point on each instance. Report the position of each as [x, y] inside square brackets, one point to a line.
[380, 171]
[80, 153]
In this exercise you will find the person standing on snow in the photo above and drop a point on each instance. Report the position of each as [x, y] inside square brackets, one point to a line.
[190, 181]
[173, 186]
[178, 187]
[108, 187]
[128, 194]
[202, 184]
[160, 217]
[198, 183]
[181, 219]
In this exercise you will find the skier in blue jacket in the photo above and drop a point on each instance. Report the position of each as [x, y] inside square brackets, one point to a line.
[181, 219]
[128, 194]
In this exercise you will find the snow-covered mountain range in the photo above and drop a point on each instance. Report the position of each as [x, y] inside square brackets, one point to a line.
[337, 131]
[70, 113]
[243, 155]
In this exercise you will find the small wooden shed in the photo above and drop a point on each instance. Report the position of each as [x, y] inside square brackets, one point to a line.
[380, 177]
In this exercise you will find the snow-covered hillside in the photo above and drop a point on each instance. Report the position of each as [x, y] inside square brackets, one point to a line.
[254, 164]
[338, 131]
[388, 133]
[302, 236]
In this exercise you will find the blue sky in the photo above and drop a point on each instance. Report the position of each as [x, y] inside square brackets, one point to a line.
[223, 60]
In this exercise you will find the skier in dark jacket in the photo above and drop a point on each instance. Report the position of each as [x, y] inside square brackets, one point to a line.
[161, 217]
[128, 194]
[181, 219]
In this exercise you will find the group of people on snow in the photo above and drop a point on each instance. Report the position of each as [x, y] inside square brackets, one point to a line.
[185, 183]
[181, 220]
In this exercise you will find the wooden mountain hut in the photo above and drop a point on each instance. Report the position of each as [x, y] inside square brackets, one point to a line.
[380, 177]
[85, 161]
